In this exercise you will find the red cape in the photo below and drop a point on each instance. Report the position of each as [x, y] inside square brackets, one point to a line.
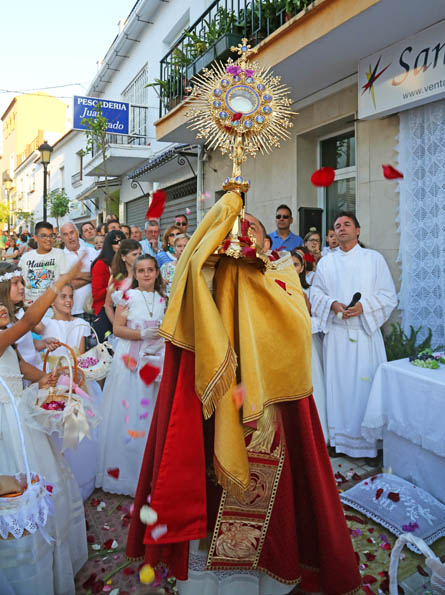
[307, 536]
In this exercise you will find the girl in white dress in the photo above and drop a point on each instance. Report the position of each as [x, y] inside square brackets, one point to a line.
[72, 331]
[128, 403]
[29, 563]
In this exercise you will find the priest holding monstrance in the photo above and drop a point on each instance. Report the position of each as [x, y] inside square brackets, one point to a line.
[240, 486]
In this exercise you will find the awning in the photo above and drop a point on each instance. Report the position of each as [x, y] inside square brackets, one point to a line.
[162, 164]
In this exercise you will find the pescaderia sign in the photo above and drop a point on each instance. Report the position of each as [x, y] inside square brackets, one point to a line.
[404, 75]
[116, 113]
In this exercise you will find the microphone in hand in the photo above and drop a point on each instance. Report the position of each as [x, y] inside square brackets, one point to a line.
[355, 298]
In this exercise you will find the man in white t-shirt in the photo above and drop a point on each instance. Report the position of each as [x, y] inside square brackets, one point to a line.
[82, 284]
[43, 266]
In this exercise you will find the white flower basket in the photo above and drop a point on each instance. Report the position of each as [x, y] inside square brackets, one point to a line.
[29, 511]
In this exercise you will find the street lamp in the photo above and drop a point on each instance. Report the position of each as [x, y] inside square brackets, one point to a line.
[45, 156]
[7, 183]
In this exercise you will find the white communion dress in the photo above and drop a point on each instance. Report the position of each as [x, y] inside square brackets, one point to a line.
[83, 459]
[29, 564]
[128, 403]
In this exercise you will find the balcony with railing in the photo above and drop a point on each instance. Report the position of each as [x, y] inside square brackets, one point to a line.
[122, 151]
[223, 24]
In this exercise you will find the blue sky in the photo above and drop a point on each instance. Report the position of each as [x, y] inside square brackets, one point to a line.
[55, 42]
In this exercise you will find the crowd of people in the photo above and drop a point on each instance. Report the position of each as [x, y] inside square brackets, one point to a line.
[73, 287]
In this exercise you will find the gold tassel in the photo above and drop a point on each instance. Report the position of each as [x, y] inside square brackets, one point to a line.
[220, 384]
[228, 483]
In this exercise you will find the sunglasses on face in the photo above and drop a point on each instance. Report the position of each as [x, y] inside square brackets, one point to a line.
[173, 235]
[183, 224]
[115, 242]
[282, 216]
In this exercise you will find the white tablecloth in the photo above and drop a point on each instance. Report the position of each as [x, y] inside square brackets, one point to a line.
[410, 402]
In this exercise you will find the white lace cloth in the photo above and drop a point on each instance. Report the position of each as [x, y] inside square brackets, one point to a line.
[422, 218]
[26, 512]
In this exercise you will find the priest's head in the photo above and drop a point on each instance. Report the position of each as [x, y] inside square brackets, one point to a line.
[258, 230]
[347, 229]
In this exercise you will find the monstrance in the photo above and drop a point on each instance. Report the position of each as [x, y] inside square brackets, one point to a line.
[241, 108]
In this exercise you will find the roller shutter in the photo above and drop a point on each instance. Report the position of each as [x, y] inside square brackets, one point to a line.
[135, 211]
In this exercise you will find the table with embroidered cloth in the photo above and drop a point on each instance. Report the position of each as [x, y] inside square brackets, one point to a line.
[406, 409]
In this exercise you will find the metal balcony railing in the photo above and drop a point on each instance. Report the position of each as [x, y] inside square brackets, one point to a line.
[223, 24]
[138, 130]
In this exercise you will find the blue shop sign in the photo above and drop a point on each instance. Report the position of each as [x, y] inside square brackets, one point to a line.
[116, 112]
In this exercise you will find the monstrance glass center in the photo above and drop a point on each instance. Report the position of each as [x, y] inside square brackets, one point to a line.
[242, 99]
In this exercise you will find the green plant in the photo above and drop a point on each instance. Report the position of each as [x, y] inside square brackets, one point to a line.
[96, 133]
[399, 345]
[59, 204]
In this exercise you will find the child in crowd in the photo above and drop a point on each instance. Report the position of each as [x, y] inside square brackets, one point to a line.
[72, 331]
[332, 242]
[168, 268]
[128, 403]
[29, 564]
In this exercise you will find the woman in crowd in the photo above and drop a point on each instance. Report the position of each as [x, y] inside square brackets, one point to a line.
[12, 251]
[72, 331]
[128, 403]
[121, 268]
[168, 268]
[312, 241]
[100, 277]
[167, 253]
[317, 347]
[48, 568]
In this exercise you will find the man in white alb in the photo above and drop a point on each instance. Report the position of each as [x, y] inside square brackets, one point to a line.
[353, 344]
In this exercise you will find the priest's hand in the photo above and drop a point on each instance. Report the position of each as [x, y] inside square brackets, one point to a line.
[339, 309]
[354, 311]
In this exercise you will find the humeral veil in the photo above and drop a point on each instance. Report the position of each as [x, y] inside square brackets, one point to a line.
[258, 476]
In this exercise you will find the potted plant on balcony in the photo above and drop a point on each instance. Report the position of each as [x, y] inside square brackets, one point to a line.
[219, 36]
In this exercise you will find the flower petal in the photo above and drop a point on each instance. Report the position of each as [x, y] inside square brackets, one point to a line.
[156, 207]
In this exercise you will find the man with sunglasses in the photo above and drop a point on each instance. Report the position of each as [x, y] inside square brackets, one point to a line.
[283, 238]
[182, 221]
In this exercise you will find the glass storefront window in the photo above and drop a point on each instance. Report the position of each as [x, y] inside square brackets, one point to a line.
[339, 151]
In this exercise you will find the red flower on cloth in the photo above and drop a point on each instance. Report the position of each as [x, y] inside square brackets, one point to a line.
[108, 544]
[378, 493]
[282, 284]
[113, 473]
[323, 177]
[391, 173]
[156, 207]
[394, 496]
[237, 116]
[248, 252]
[149, 373]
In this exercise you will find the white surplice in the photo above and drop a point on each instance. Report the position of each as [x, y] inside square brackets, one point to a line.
[352, 348]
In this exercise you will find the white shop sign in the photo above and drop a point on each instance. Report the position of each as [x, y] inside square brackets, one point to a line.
[404, 75]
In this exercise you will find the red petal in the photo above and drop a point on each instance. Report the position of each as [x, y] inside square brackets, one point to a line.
[368, 579]
[107, 544]
[156, 207]
[378, 493]
[367, 590]
[149, 373]
[386, 546]
[323, 176]
[97, 587]
[237, 116]
[113, 473]
[371, 530]
[128, 570]
[129, 361]
[238, 395]
[90, 539]
[90, 581]
[384, 585]
[95, 502]
[421, 571]
[391, 173]
[394, 496]
[370, 557]
[356, 476]
[356, 519]
[274, 255]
